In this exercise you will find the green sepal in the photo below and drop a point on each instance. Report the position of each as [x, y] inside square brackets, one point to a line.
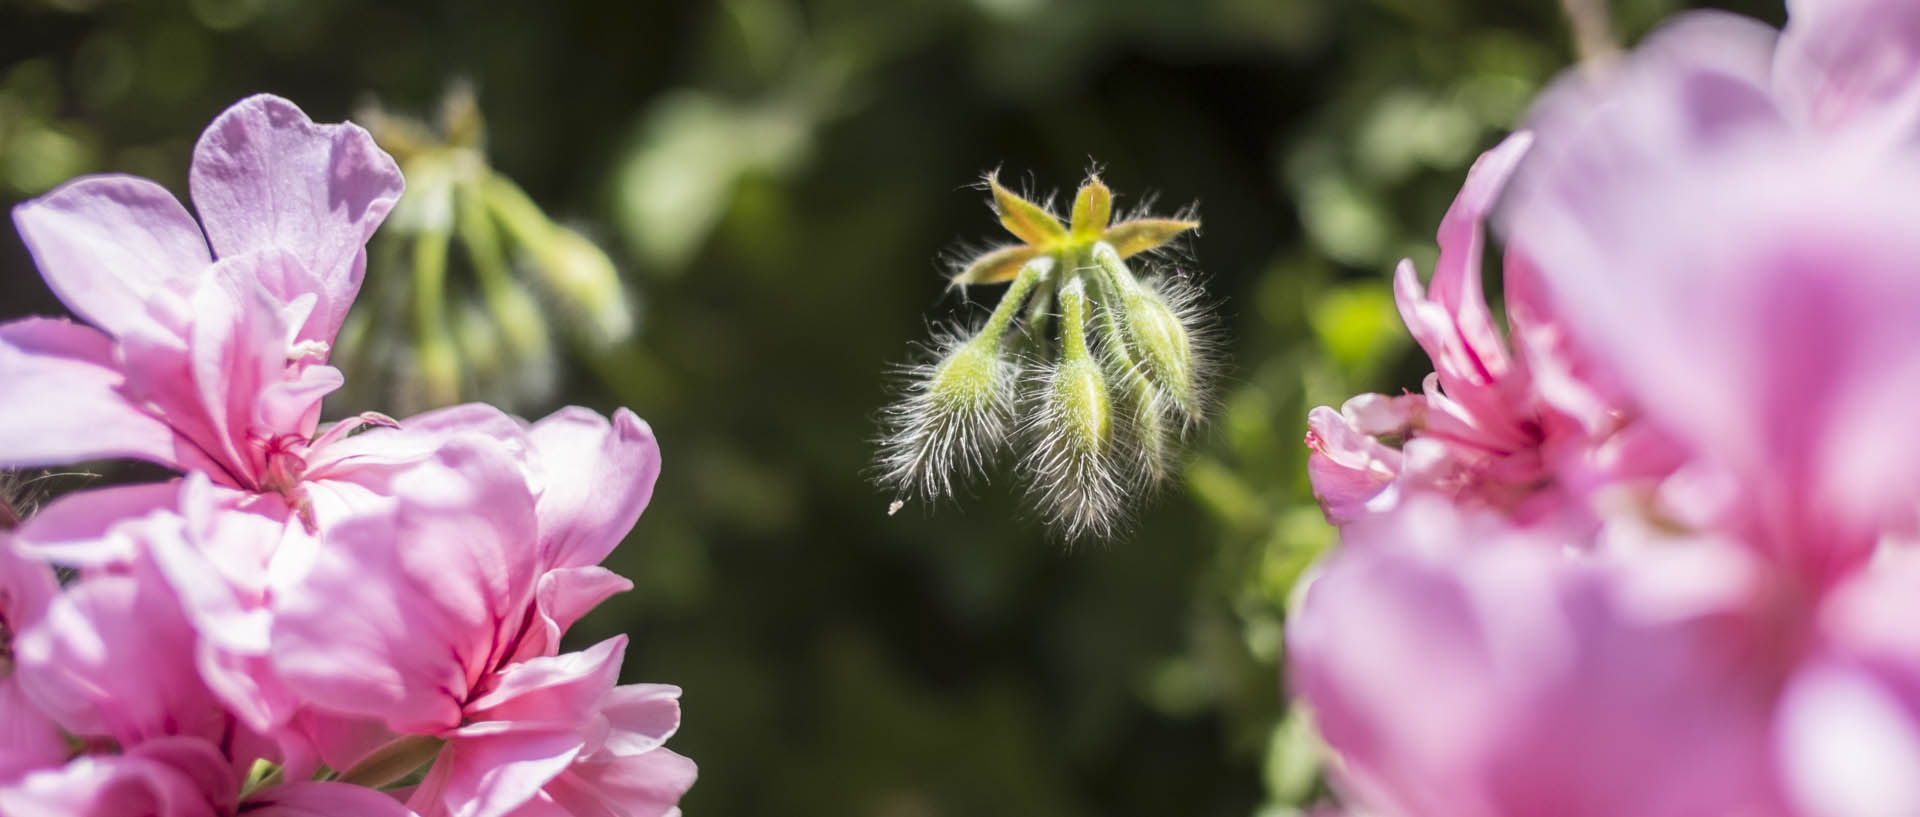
[1027, 221]
[995, 267]
[1131, 238]
[1092, 208]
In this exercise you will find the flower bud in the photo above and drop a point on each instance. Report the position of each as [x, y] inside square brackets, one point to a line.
[1164, 345]
[1078, 396]
[1070, 459]
[1069, 463]
[583, 278]
[1151, 435]
[952, 418]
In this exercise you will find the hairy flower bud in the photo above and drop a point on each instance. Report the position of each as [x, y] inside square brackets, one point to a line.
[1102, 420]
[1070, 460]
[951, 420]
[1160, 329]
[1164, 346]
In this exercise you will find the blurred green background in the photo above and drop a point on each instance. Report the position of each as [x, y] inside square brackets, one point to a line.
[772, 186]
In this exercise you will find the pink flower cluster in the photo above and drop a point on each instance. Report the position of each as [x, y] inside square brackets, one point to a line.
[357, 619]
[1651, 549]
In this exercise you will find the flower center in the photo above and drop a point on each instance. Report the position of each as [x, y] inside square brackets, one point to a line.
[285, 470]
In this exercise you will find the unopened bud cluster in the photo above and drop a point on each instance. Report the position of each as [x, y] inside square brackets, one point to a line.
[493, 280]
[1093, 375]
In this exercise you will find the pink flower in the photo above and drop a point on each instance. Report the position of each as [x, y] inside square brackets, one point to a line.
[1462, 668]
[624, 768]
[1499, 424]
[1748, 279]
[198, 360]
[1718, 227]
[441, 615]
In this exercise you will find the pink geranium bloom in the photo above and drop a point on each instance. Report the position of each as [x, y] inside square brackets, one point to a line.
[624, 769]
[1500, 423]
[233, 571]
[207, 350]
[441, 616]
[1720, 224]
[1743, 264]
[1462, 668]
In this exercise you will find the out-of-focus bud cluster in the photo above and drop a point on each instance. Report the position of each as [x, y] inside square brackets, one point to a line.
[472, 283]
[1093, 374]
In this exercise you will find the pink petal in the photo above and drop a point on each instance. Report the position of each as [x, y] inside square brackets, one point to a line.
[562, 690]
[324, 800]
[599, 476]
[239, 349]
[415, 439]
[27, 586]
[29, 739]
[167, 778]
[1849, 741]
[95, 528]
[1851, 63]
[644, 785]
[63, 400]
[562, 597]
[342, 742]
[1351, 472]
[492, 775]
[1457, 667]
[641, 717]
[265, 176]
[405, 608]
[1456, 285]
[110, 245]
[114, 657]
[1787, 349]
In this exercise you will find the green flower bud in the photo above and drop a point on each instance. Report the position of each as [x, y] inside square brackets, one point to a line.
[1070, 464]
[1079, 395]
[955, 414]
[952, 419]
[1070, 460]
[1158, 331]
[584, 280]
[1164, 345]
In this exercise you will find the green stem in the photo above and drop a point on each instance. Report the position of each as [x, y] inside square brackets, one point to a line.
[430, 283]
[393, 762]
[1073, 319]
[1031, 275]
[481, 240]
[1113, 269]
[526, 224]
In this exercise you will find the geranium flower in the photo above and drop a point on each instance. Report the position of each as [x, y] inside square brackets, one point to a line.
[1719, 224]
[1502, 422]
[207, 349]
[429, 620]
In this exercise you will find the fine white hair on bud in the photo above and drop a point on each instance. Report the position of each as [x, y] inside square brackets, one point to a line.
[1070, 463]
[951, 418]
[1189, 354]
[1166, 331]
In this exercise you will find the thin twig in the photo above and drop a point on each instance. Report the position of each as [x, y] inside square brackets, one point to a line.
[1592, 26]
